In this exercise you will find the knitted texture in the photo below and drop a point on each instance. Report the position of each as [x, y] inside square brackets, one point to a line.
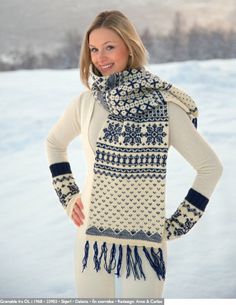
[184, 218]
[127, 203]
[65, 185]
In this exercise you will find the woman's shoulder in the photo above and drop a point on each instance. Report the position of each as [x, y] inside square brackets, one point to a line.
[87, 93]
[84, 96]
[175, 107]
[81, 101]
[83, 105]
[177, 111]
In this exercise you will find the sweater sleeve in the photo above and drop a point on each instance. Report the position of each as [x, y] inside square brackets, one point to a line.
[58, 139]
[185, 138]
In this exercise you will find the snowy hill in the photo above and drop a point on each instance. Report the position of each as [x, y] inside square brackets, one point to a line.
[36, 236]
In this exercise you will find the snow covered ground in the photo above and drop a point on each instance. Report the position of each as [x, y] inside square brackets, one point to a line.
[36, 236]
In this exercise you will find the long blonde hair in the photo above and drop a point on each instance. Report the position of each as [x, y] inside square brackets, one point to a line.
[118, 22]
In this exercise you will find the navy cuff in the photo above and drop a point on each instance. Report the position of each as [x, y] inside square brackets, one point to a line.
[197, 199]
[61, 168]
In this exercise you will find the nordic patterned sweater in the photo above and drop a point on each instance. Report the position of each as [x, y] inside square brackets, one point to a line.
[84, 117]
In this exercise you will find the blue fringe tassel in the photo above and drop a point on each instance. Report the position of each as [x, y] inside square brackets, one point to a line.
[133, 264]
[95, 257]
[194, 121]
[139, 262]
[119, 261]
[104, 252]
[156, 261]
[97, 261]
[158, 258]
[112, 258]
[86, 252]
[129, 262]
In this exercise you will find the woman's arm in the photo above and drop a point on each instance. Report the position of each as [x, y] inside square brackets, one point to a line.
[56, 143]
[192, 146]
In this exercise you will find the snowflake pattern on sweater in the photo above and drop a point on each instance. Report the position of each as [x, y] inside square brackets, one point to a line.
[65, 187]
[183, 219]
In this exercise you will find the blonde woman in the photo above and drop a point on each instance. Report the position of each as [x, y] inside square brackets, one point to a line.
[127, 120]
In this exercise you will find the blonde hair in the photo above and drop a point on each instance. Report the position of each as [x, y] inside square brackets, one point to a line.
[118, 22]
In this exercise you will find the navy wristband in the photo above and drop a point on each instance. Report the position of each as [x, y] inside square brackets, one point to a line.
[197, 199]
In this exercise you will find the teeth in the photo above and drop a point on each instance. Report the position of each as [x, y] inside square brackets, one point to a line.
[107, 66]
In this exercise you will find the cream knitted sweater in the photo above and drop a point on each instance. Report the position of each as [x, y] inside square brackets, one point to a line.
[85, 117]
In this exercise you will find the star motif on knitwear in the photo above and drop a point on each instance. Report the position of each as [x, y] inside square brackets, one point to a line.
[184, 218]
[112, 132]
[132, 135]
[73, 188]
[185, 227]
[61, 196]
[65, 187]
[155, 134]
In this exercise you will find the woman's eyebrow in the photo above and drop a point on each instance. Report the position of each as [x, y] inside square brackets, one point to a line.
[102, 44]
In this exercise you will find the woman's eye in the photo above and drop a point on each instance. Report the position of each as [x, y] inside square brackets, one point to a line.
[92, 50]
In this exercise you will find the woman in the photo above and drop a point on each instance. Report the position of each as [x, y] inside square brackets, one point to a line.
[127, 119]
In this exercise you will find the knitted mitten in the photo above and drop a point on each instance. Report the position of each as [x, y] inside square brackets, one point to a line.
[65, 185]
[186, 215]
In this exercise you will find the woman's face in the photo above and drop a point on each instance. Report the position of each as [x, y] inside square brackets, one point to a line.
[109, 53]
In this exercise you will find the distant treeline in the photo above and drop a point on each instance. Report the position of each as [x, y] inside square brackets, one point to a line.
[197, 44]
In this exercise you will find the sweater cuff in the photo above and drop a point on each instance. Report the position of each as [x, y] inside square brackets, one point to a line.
[61, 168]
[64, 184]
[197, 199]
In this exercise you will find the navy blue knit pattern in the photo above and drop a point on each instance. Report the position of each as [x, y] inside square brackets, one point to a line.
[197, 199]
[63, 182]
[60, 168]
[127, 201]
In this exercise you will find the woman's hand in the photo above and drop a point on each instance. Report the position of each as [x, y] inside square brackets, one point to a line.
[77, 214]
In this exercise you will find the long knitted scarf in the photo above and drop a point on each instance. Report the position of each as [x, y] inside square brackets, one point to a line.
[127, 203]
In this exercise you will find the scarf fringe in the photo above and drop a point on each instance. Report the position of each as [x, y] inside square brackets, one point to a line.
[194, 121]
[86, 253]
[133, 260]
[119, 261]
[156, 262]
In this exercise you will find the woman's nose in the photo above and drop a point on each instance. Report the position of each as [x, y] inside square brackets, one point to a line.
[101, 55]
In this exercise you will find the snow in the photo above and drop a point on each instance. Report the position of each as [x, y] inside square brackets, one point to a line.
[36, 236]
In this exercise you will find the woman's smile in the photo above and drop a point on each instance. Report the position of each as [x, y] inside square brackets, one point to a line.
[105, 68]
